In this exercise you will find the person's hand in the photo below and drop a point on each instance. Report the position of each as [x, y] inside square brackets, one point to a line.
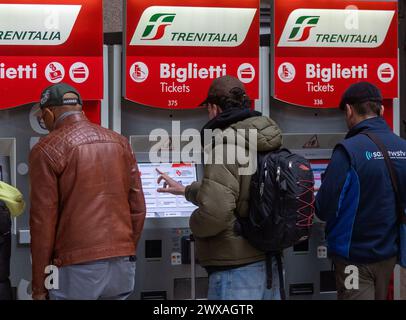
[170, 185]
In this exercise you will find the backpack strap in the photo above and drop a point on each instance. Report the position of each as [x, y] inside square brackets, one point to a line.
[269, 275]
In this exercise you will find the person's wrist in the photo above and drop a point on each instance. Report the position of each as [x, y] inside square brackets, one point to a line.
[182, 191]
[187, 188]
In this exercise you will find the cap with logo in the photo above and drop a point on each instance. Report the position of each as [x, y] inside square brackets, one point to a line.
[360, 92]
[223, 88]
[53, 96]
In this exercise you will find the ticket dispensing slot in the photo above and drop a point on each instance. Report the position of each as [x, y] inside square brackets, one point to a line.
[153, 250]
[302, 247]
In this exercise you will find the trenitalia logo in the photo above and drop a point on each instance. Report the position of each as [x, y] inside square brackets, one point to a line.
[336, 28]
[36, 24]
[158, 24]
[193, 26]
[303, 25]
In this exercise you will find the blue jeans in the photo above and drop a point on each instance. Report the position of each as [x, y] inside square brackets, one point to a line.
[245, 283]
[108, 279]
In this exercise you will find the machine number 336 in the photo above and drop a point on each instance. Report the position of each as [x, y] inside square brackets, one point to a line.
[318, 102]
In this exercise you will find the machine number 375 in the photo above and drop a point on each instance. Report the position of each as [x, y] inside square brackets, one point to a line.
[172, 103]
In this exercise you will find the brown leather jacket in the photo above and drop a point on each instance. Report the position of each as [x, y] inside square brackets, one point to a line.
[87, 201]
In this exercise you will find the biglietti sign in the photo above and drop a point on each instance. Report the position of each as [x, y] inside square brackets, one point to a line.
[46, 42]
[322, 47]
[175, 49]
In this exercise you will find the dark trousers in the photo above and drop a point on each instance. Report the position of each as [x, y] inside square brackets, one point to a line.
[373, 279]
[5, 253]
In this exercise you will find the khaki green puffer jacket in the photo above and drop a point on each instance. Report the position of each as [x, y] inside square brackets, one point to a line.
[224, 192]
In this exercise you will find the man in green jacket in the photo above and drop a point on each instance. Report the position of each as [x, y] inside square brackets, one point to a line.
[236, 269]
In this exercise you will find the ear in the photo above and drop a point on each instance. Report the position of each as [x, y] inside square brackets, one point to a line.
[218, 109]
[382, 111]
[48, 112]
[348, 110]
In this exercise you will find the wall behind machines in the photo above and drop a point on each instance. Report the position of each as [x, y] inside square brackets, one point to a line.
[313, 133]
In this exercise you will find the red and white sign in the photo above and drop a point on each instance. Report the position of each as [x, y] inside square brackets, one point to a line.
[321, 47]
[175, 49]
[47, 42]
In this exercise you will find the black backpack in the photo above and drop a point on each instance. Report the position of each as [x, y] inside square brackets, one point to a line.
[281, 206]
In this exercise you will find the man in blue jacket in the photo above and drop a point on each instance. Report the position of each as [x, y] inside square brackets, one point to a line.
[357, 200]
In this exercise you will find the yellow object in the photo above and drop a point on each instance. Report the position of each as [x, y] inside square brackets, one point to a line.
[12, 198]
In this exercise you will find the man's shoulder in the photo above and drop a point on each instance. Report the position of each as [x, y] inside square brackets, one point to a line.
[60, 141]
[107, 133]
[42, 151]
[356, 142]
[88, 133]
[398, 139]
[45, 143]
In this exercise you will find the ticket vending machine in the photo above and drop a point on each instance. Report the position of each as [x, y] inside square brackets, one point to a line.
[312, 127]
[309, 273]
[163, 253]
[313, 134]
[17, 135]
[163, 264]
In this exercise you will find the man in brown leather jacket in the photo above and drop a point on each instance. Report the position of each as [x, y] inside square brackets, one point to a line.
[87, 205]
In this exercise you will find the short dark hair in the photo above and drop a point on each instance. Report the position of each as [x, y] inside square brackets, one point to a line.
[367, 108]
[238, 100]
[227, 92]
